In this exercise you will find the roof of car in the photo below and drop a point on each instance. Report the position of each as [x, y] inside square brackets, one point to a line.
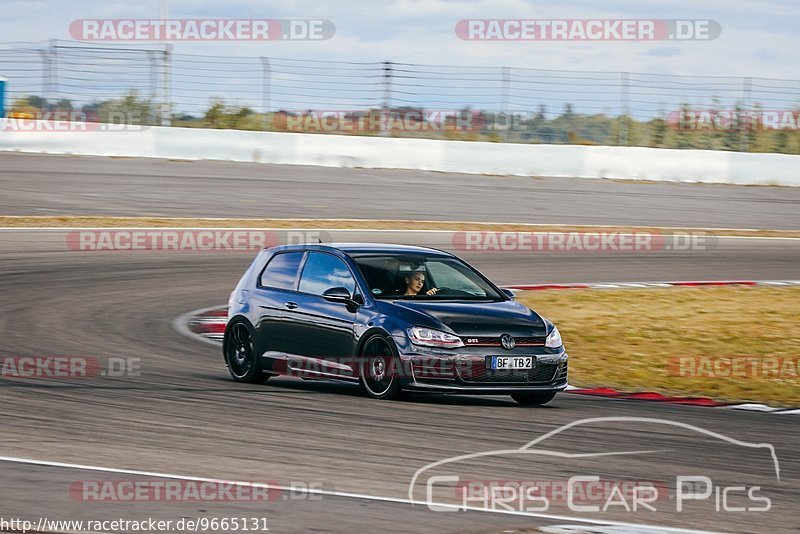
[367, 248]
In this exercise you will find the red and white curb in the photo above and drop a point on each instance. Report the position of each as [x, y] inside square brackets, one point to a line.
[208, 325]
[688, 401]
[205, 324]
[642, 285]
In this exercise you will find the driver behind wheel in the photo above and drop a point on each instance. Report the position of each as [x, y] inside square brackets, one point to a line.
[414, 283]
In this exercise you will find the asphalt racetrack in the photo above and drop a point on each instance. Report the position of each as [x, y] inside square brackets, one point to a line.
[181, 415]
[48, 185]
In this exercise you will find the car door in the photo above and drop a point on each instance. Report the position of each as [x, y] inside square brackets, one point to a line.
[274, 293]
[319, 331]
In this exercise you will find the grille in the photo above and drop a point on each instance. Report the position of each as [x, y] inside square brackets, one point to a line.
[477, 373]
[471, 341]
[436, 369]
[562, 372]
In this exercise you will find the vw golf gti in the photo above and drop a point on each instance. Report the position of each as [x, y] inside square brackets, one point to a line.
[392, 318]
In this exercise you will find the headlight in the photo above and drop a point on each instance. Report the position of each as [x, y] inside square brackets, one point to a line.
[433, 338]
[553, 340]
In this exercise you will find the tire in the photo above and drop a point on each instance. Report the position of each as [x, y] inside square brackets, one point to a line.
[534, 399]
[378, 368]
[243, 363]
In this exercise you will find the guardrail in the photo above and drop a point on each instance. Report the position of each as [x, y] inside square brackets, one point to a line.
[636, 163]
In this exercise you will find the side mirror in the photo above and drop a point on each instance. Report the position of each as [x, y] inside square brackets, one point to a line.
[342, 295]
[510, 294]
[337, 294]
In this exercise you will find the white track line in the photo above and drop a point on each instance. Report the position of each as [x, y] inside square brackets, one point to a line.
[330, 493]
[755, 407]
[582, 529]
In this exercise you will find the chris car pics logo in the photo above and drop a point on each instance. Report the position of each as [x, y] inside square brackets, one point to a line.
[441, 486]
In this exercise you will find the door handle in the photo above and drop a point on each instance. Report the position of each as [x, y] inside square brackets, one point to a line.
[290, 305]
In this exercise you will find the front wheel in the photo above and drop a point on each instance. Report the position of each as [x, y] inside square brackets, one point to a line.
[240, 354]
[378, 369]
[534, 399]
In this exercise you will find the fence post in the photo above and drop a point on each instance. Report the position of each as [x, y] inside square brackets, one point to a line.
[47, 76]
[266, 79]
[45, 72]
[505, 81]
[3, 97]
[623, 123]
[387, 98]
[744, 133]
[53, 70]
[152, 113]
[166, 115]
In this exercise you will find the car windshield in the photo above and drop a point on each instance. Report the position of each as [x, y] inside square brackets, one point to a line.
[416, 276]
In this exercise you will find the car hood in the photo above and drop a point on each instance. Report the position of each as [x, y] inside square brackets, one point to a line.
[474, 318]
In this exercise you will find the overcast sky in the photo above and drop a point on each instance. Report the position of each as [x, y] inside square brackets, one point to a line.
[759, 38]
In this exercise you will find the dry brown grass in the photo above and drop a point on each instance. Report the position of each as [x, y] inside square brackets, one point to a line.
[626, 338]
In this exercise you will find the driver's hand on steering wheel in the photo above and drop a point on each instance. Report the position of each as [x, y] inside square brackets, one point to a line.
[432, 291]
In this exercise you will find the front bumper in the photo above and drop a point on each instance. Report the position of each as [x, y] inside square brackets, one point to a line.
[466, 371]
[482, 390]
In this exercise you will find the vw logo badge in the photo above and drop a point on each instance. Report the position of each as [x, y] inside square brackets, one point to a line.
[507, 341]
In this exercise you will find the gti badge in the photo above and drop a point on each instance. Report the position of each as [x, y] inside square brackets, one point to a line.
[507, 341]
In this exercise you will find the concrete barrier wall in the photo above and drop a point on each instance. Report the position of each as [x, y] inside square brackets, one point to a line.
[635, 163]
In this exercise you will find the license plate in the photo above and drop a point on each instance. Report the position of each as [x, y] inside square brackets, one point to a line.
[511, 362]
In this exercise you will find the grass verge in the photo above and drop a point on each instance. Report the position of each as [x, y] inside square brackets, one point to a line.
[627, 339]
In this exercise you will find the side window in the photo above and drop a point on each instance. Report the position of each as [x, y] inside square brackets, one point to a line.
[324, 271]
[281, 271]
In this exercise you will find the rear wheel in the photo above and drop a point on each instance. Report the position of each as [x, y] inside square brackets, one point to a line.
[378, 369]
[534, 399]
[240, 354]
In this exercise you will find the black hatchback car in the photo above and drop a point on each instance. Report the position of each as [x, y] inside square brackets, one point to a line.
[392, 318]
